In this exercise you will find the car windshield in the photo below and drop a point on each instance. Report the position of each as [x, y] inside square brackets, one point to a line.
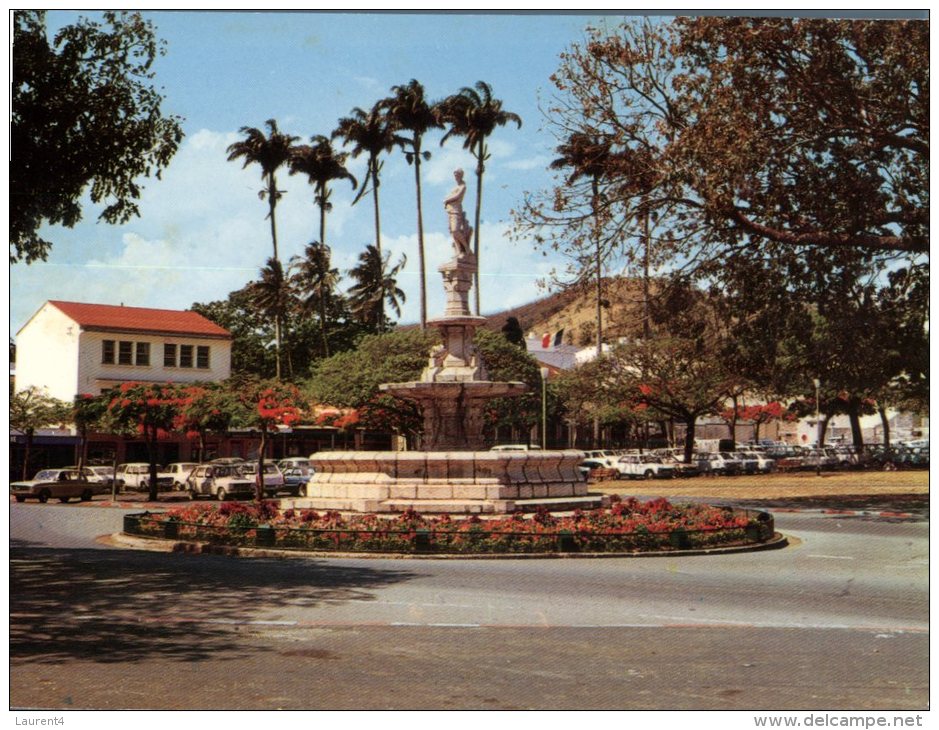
[47, 475]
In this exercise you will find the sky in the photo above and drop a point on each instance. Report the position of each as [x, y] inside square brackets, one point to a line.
[202, 231]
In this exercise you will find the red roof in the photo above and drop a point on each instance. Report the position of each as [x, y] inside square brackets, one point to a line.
[139, 319]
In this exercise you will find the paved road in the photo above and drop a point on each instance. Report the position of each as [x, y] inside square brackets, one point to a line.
[838, 620]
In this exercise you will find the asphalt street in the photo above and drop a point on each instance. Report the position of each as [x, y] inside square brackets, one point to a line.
[839, 619]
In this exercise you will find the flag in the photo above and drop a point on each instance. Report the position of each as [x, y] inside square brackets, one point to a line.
[552, 340]
[546, 340]
[558, 336]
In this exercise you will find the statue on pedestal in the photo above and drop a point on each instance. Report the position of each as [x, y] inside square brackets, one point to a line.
[460, 229]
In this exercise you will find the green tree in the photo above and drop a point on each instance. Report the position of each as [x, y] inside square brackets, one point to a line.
[407, 110]
[149, 408]
[84, 116]
[375, 285]
[506, 362]
[273, 298]
[314, 281]
[321, 164]
[33, 408]
[350, 379]
[474, 114]
[251, 332]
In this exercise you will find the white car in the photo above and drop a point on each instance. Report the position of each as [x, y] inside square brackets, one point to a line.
[764, 464]
[714, 463]
[220, 481]
[180, 471]
[137, 476]
[644, 466]
[273, 477]
[608, 458]
[515, 447]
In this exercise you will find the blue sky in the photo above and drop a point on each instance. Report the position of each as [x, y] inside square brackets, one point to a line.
[202, 231]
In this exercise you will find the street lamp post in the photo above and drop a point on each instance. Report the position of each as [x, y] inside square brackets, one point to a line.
[818, 420]
[544, 408]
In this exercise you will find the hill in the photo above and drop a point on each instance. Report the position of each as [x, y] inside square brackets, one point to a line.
[574, 311]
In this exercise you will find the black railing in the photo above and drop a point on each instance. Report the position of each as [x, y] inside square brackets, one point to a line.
[427, 539]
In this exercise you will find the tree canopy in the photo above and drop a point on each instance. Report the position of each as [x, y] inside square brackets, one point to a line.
[85, 116]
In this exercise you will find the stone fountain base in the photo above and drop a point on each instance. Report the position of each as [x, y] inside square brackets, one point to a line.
[455, 482]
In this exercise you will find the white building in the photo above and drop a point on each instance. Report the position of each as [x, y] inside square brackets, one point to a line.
[69, 348]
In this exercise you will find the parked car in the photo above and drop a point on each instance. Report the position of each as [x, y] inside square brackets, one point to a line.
[137, 476]
[717, 463]
[765, 463]
[596, 469]
[608, 458]
[180, 471]
[273, 477]
[516, 447]
[222, 481]
[644, 466]
[296, 478]
[61, 484]
[682, 469]
[106, 475]
[294, 462]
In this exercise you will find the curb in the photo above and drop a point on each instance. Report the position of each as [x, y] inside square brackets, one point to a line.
[154, 544]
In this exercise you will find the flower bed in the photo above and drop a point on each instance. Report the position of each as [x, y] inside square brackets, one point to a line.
[627, 526]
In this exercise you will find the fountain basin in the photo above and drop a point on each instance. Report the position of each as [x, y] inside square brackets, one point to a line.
[467, 482]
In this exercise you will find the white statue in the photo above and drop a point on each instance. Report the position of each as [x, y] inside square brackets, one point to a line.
[460, 229]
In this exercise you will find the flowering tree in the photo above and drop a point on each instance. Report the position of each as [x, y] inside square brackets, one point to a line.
[204, 408]
[151, 409]
[264, 405]
[759, 415]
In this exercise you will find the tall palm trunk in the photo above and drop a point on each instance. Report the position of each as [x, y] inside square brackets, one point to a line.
[480, 168]
[420, 237]
[272, 202]
[381, 304]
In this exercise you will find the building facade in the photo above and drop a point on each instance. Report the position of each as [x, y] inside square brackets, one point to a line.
[68, 348]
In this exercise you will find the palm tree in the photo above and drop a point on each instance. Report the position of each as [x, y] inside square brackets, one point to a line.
[368, 133]
[589, 156]
[375, 285]
[473, 114]
[314, 281]
[271, 153]
[321, 164]
[271, 295]
[408, 110]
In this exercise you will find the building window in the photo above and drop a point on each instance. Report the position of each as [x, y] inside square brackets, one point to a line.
[143, 353]
[107, 352]
[125, 353]
[185, 356]
[169, 355]
[202, 357]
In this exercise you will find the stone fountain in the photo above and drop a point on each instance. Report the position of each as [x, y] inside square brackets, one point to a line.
[454, 474]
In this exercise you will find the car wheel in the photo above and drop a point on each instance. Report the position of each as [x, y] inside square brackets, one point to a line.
[192, 495]
[20, 499]
[86, 496]
[221, 495]
[144, 484]
[648, 474]
[44, 496]
[64, 500]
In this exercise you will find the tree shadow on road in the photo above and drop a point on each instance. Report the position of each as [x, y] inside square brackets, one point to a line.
[128, 606]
